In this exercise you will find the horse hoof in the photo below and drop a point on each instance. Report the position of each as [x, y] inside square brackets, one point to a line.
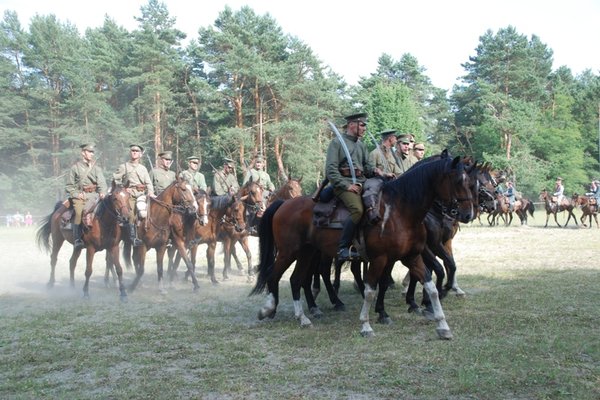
[196, 289]
[415, 310]
[124, 299]
[49, 285]
[444, 334]
[367, 334]
[384, 320]
[305, 322]
[316, 312]
[339, 307]
[215, 282]
[163, 291]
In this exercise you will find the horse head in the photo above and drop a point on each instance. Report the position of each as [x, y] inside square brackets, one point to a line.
[456, 189]
[180, 193]
[235, 215]
[119, 202]
[203, 201]
[252, 196]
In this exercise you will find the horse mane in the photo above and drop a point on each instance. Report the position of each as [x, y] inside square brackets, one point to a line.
[220, 202]
[410, 186]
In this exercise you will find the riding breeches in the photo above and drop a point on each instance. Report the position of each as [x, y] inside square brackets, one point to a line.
[80, 205]
[353, 203]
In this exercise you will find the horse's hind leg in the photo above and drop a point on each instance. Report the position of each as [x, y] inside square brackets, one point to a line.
[324, 265]
[297, 280]
[89, 260]
[72, 265]
[114, 252]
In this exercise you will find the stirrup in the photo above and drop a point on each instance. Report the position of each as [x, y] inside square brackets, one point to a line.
[78, 244]
[136, 242]
[347, 254]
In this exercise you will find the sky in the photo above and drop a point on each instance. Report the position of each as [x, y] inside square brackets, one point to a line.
[350, 37]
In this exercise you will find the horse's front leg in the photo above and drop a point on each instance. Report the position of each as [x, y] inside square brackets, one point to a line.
[374, 273]
[210, 258]
[114, 256]
[246, 248]
[191, 270]
[160, 254]
[384, 281]
[89, 260]
[139, 260]
[73, 264]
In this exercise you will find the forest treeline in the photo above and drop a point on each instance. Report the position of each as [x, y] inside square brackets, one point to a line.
[244, 87]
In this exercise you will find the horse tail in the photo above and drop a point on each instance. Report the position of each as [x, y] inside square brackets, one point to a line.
[531, 208]
[266, 246]
[42, 235]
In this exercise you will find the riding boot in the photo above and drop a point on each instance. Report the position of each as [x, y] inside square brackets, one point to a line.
[372, 209]
[133, 236]
[77, 241]
[345, 252]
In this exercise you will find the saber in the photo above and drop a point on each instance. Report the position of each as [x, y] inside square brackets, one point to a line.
[385, 161]
[346, 151]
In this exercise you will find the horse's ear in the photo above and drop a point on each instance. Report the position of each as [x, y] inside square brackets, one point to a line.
[444, 154]
[300, 180]
[455, 162]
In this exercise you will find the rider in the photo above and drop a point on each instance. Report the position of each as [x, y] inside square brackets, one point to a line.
[85, 185]
[260, 176]
[510, 194]
[558, 191]
[161, 175]
[347, 184]
[405, 159]
[193, 176]
[135, 177]
[383, 158]
[225, 180]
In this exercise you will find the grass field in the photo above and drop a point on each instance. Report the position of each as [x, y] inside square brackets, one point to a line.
[527, 329]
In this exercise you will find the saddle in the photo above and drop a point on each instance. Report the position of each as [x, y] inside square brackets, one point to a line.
[592, 201]
[331, 213]
[68, 215]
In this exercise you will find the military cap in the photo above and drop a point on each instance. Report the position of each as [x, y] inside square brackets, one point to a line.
[192, 158]
[136, 147]
[259, 158]
[419, 146]
[559, 178]
[88, 147]
[228, 161]
[388, 133]
[167, 155]
[404, 138]
[361, 117]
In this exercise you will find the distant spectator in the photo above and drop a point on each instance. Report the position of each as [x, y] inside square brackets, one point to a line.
[28, 219]
[8, 220]
[17, 219]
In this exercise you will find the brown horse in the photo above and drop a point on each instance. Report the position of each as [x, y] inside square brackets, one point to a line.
[103, 233]
[523, 206]
[164, 221]
[552, 207]
[291, 189]
[287, 234]
[589, 208]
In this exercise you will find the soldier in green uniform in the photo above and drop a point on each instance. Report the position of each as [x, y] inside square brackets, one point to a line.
[135, 177]
[225, 181]
[337, 170]
[194, 177]
[383, 158]
[260, 176]
[405, 159]
[161, 175]
[85, 185]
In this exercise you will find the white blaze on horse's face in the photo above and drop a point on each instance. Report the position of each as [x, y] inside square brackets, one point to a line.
[204, 217]
[189, 189]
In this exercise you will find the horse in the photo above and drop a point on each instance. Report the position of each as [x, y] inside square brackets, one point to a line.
[552, 207]
[291, 189]
[102, 233]
[224, 213]
[164, 221]
[287, 234]
[523, 206]
[589, 208]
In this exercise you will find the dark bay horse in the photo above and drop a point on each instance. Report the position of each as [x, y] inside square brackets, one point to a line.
[287, 234]
[103, 233]
[523, 206]
[552, 207]
[589, 208]
[163, 222]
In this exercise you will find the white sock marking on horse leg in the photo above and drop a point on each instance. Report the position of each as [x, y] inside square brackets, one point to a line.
[364, 312]
[269, 305]
[299, 314]
[438, 313]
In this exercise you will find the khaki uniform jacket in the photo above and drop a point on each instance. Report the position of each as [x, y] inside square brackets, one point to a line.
[222, 182]
[194, 178]
[161, 179]
[336, 159]
[82, 175]
[377, 159]
[405, 162]
[131, 175]
[260, 177]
